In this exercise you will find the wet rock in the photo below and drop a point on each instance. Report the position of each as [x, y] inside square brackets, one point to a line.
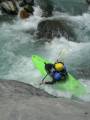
[9, 7]
[14, 88]
[24, 14]
[88, 2]
[54, 28]
[27, 8]
[46, 6]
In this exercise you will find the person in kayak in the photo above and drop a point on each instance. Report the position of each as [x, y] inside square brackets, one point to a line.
[57, 71]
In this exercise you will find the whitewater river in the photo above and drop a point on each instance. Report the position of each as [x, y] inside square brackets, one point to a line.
[17, 46]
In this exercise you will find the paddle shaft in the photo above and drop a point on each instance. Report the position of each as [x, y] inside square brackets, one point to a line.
[44, 77]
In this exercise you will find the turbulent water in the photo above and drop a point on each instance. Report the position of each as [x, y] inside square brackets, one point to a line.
[17, 46]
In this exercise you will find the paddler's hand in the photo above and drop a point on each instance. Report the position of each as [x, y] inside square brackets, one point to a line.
[42, 83]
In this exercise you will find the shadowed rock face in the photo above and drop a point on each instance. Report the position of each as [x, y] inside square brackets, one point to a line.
[9, 7]
[17, 102]
[54, 28]
[88, 1]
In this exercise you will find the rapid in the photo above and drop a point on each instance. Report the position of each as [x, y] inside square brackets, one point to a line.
[17, 46]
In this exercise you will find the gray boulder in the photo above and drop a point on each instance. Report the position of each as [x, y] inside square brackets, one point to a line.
[46, 6]
[54, 28]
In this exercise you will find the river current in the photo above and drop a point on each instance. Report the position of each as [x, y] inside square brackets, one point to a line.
[17, 46]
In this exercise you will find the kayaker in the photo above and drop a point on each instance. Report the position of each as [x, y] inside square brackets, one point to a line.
[57, 71]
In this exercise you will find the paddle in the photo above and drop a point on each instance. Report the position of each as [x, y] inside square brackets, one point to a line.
[43, 79]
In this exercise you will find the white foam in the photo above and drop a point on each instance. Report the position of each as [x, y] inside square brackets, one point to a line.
[31, 22]
[22, 68]
[61, 47]
[79, 23]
